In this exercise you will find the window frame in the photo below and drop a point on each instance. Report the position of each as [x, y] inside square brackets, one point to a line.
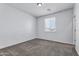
[50, 28]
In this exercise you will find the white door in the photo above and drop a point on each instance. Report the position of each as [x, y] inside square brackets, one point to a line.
[77, 27]
[74, 30]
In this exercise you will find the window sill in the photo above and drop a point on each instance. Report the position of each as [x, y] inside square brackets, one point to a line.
[54, 30]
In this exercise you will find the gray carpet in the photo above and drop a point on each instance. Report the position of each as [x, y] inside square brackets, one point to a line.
[39, 47]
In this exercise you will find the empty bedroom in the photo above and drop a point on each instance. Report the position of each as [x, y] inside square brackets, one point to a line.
[39, 29]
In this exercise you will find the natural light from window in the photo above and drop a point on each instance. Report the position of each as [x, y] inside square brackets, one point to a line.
[50, 24]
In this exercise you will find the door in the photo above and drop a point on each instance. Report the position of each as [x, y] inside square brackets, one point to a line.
[74, 30]
[77, 27]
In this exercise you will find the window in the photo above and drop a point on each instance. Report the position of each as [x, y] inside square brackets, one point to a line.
[50, 24]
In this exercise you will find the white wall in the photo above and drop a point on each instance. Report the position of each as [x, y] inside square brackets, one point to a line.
[15, 26]
[64, 31]
[76, 13]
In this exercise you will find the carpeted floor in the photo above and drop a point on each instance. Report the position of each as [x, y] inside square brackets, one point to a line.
[39, 47]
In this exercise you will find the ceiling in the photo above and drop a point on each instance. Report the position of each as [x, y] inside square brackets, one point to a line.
[37, 11]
